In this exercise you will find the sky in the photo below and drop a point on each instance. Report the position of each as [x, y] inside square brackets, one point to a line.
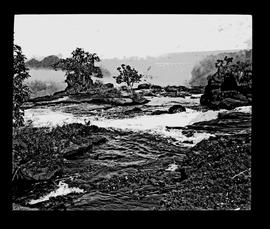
[129, 35]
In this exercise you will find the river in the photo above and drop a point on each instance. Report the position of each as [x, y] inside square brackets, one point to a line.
[130, 169]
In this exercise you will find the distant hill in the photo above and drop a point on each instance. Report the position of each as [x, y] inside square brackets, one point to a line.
[206, 66]
[167, 69]
[46, 62]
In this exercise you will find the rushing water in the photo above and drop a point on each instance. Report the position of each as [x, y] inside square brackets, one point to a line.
[127, 172]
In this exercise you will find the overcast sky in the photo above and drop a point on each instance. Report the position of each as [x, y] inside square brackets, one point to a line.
[130, 35]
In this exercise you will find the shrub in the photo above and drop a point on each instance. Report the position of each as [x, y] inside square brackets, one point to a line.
[20, 91]
[79, 70]
[128, 75]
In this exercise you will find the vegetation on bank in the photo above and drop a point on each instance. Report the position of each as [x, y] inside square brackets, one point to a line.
[79, 70]
[230, 86]
[128, 76]
[20, 91]
[206, 67]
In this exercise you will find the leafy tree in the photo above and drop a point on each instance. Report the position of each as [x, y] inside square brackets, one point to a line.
[20, 91]
[128, 75]
[79, 70]
[233, 76]
[207, 66]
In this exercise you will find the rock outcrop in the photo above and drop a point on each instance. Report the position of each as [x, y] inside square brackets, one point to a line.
[172, 110]
[144, 86]
[176, 109]
[229, 87]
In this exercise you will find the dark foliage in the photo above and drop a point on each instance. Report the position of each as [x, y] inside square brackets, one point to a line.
[47, 62]
[79, 70]
[207, 66]
[128, 75]
[20, 91]
[230, 86]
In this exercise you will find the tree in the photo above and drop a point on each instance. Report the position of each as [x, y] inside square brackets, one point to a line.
[233, 75]
[20, 91]
[79, 70]
[128, 75]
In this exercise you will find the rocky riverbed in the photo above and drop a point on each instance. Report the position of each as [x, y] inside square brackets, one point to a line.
[89, 156]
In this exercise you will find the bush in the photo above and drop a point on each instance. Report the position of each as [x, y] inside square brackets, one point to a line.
[206, 67]
[128, 75]
[20, 91]
[79, 70]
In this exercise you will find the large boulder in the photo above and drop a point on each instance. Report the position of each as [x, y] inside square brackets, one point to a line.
[176, 109]
[159, 112]
[224, 92]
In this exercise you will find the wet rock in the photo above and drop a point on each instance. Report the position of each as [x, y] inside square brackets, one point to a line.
[42, 174]
[229, 103]
[188, 142]
[28, 105]
[159, 112]
[133, 110]
[227, 122]
[176, 108]
[41, 99]
[17, 207]
[188, 133]
[76, 152]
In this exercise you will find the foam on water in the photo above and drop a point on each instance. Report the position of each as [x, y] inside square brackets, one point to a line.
[62, 190]
[244, 109]
[158, 101]
[205, 116]
[156, 124]
[172, 167]
[45, 117]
